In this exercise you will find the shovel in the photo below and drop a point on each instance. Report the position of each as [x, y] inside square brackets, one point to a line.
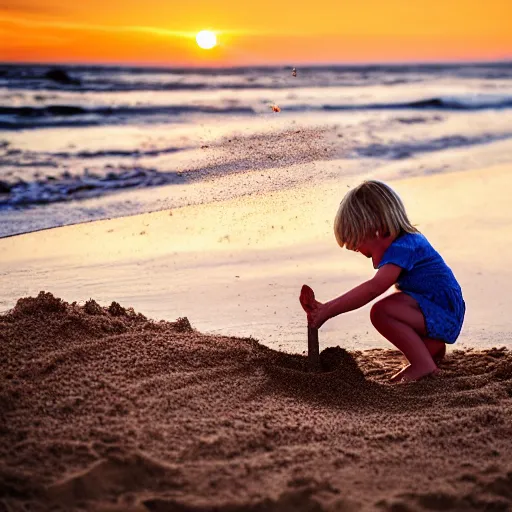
[307, 299]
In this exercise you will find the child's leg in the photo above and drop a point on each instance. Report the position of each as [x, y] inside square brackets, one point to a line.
[437, 350]
[399, 319]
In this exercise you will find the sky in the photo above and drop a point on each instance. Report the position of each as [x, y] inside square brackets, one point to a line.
[262, 32]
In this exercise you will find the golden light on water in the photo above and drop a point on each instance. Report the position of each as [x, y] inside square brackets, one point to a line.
[206, 39]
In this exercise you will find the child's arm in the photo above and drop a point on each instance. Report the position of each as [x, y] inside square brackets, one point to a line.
[359, 296]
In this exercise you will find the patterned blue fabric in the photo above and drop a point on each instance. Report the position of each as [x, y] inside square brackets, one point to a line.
[428, 279]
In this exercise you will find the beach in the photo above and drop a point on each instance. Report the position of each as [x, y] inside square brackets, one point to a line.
[153, 344]
[106, 410]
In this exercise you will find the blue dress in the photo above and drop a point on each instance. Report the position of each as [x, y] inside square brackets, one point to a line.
[428, 279]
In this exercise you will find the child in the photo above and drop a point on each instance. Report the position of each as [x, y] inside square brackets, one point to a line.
[426, 311]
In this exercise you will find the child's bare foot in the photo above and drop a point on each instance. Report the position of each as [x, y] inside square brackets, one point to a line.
[397, 376]
[413, 373]
[437, 352]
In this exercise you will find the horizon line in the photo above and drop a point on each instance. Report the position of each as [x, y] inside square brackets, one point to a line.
[459, 62]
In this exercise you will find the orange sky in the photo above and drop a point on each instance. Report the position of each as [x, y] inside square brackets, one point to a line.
[161, 32]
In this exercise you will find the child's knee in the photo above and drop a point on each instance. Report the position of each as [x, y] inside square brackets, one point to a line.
[379, 312]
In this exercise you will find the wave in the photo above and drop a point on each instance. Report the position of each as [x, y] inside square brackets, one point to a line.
[401, 150]
[70, 115]
[117, 153]
[248, 83]
[66, 110]
[118, 78]
[107, 179]
[433, 104]
[68, 187]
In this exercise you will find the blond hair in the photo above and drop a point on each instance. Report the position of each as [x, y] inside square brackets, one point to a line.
[369, 208]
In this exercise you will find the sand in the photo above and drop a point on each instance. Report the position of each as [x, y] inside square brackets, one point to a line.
[103, 409]
[236, 266]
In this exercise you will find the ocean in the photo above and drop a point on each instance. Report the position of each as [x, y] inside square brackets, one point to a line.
[81, 143]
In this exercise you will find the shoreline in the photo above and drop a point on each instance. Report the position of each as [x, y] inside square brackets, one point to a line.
[233, 160]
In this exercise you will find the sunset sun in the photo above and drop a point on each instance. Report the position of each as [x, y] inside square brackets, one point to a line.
[206, 39]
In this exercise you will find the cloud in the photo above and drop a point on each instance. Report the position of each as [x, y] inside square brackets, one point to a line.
[72, 26]
[62, 25]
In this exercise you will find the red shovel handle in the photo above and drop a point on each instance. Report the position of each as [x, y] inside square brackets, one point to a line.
[307, 301]
[307, 298]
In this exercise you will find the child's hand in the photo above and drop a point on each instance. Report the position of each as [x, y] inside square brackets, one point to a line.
[318, 315]
[315, 311]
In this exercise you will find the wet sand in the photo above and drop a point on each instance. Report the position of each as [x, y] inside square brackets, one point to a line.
[103, 409]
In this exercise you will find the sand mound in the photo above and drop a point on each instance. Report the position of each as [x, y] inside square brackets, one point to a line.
[103, 409]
